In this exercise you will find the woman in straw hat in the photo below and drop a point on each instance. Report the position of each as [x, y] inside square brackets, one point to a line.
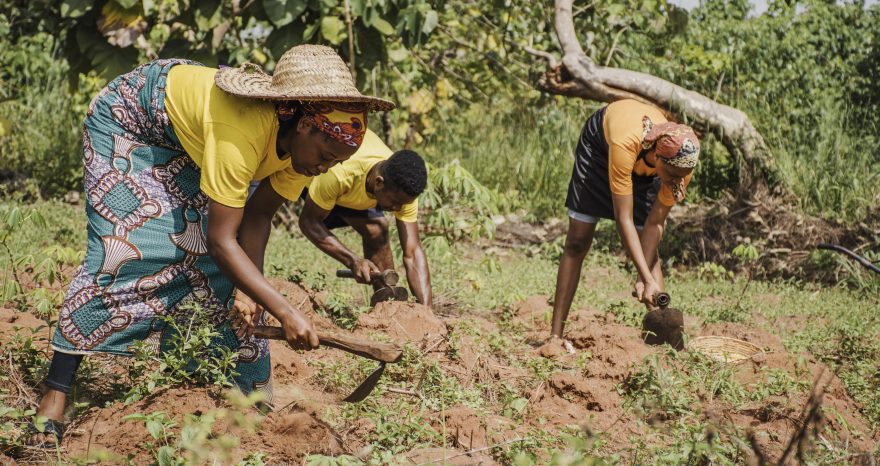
[631, 165]
[169, 151]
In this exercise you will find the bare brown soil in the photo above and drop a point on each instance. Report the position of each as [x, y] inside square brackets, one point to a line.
[585, 392]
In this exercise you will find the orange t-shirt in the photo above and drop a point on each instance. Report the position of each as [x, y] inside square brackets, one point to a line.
[623, 132]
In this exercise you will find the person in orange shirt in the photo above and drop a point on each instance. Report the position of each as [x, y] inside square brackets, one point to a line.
[169, 151]
[631, 165]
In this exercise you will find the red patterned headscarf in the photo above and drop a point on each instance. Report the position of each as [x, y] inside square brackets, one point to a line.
[346, 123]
[676, 144]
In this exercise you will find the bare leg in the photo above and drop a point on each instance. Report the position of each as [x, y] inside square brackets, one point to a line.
[577, 244]
[375, 239]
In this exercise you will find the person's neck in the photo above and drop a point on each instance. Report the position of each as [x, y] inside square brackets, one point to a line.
[371, 178]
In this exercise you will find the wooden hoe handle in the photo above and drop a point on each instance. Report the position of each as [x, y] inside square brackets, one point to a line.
[385, 352]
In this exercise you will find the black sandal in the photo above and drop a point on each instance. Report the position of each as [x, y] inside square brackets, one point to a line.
[50, 427]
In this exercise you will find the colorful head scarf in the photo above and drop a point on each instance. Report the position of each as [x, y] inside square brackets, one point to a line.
[346, 123]
[676, 144]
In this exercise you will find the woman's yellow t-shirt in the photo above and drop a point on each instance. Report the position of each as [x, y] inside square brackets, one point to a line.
[345, 184]
[231, 139]
[623, 132]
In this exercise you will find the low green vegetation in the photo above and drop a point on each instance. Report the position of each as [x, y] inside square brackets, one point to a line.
[837, 325]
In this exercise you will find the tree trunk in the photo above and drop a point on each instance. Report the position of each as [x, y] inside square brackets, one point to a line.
[580, 76]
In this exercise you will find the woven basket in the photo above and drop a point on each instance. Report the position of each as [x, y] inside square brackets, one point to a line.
[724, 349]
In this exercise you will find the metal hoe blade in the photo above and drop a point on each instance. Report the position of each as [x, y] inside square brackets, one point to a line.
[389, 293]
[366, 387]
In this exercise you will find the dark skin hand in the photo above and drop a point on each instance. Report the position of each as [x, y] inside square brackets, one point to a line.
[242, 259]
[253, 236]
[311, 222]
[642, 248]
[235, 264]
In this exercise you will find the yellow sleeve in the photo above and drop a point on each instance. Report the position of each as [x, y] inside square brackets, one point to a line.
[409, 213]
[228, 164]
[665, 195]
[620, 167]
[288, 183]
[325, 190]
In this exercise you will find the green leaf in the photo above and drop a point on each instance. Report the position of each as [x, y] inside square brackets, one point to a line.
[398, 54]
[38, 220]
[165, 456]
[148, 6]
[284, 38]
[207, 14]
[155, 429]
[431, 22]
[310, 31]
[127, 3]
[357, 7]
[283, 12]
[369, 15]
[13, 218]
[75, 8]
[333, 29]
[383, 26]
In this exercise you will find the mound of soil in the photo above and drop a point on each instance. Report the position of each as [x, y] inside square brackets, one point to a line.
[11, 321]
[282, 435]
[465, 429]
[535, 312]
[582, 388]
[775, 420]
[403, 322]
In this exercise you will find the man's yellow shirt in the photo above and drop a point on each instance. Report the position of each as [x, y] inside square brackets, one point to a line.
[346, 183]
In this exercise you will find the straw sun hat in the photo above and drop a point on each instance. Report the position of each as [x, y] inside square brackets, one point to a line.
[305, 72]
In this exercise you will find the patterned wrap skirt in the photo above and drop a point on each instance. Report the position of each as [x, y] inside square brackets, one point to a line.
[147, 254]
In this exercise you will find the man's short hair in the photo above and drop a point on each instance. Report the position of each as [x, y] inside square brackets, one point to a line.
[405, 171]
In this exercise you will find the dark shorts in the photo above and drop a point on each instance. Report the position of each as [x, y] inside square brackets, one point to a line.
[589, 192]
[338, 214]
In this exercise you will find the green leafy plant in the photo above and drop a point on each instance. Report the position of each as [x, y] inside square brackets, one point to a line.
[456, 204]
[190, 354]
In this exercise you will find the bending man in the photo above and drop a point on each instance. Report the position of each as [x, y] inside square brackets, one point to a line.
[355, 194]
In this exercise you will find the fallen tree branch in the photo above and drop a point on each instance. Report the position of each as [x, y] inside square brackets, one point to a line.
[580, 76]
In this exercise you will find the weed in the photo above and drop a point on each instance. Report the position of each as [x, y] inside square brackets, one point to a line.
[776, 382]
[658, 388]
[189, 354]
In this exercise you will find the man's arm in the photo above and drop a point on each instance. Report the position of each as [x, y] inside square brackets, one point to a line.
[223, 225]
[415, 262]
[311, 222]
